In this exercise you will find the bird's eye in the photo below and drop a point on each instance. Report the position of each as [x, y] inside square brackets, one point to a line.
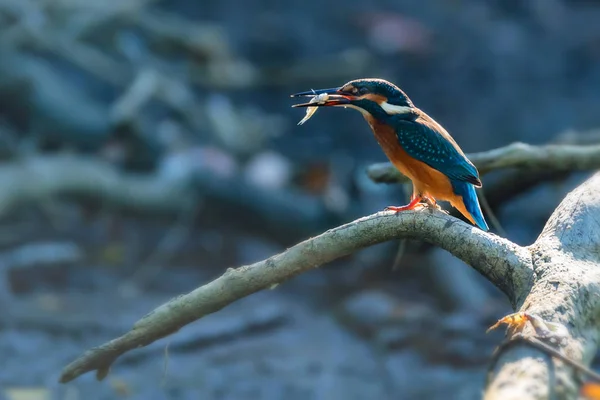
[354, 90]
[363, 90]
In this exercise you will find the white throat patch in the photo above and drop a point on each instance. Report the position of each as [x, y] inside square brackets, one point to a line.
[392, 109]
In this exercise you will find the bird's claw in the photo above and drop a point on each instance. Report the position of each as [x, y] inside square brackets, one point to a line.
[432, 204]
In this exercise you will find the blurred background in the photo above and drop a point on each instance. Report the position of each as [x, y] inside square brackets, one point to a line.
[146, 146]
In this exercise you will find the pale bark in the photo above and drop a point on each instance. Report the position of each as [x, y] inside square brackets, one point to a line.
[566, 289]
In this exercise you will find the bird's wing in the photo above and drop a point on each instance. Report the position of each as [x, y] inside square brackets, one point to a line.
[427, 141]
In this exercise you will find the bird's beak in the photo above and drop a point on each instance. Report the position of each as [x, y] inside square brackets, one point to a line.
[311, 93]
[335, 97]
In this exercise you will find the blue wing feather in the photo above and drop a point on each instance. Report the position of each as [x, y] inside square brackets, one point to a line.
[425, 140]
[467, 192]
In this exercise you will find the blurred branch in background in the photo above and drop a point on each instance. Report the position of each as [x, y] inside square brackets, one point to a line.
[144, 59]
[534, 165]
[548, 158]
[513, 183]
[35, 179]
[39, 26]
[36, 254]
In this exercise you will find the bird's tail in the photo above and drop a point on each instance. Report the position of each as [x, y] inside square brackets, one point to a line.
[470, 203]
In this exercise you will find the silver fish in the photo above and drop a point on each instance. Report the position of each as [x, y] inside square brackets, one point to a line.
[320, 98]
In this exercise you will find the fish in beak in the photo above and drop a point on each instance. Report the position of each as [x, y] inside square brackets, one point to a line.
[323, 98]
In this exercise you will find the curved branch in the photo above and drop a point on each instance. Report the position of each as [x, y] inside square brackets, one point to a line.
[556, 158]
[504, 263]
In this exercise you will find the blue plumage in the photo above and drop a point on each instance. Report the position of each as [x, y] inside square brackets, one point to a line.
[416, 144]
[425, 140]
[467, 191]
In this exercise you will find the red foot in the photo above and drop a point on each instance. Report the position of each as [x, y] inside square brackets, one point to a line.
[410, 206]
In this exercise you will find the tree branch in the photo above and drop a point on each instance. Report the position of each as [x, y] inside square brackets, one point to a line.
[556, 158]
[556, 278]
[504, 263]
[566, 290]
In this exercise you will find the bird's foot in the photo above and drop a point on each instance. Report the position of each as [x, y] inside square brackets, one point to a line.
[430, 201]
[414, 203]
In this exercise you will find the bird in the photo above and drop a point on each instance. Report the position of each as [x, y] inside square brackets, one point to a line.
[418, 146]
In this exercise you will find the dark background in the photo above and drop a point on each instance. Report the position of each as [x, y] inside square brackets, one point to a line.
[195, 95]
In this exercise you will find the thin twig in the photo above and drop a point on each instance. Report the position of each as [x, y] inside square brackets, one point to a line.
[399, 254]
[402, 243]
[175, 236]
[494, 222]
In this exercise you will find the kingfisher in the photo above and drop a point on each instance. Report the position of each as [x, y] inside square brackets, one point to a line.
[415, 143]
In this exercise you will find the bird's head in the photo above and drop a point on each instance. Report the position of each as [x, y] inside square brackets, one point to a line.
[376, 98]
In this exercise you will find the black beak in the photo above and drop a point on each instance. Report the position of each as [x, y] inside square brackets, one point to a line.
[336, 97]
[311, 93]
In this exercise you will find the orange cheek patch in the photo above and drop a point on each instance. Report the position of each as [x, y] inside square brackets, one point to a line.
[374, 97]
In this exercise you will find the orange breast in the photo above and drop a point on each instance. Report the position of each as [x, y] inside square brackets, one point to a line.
[426, 180]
